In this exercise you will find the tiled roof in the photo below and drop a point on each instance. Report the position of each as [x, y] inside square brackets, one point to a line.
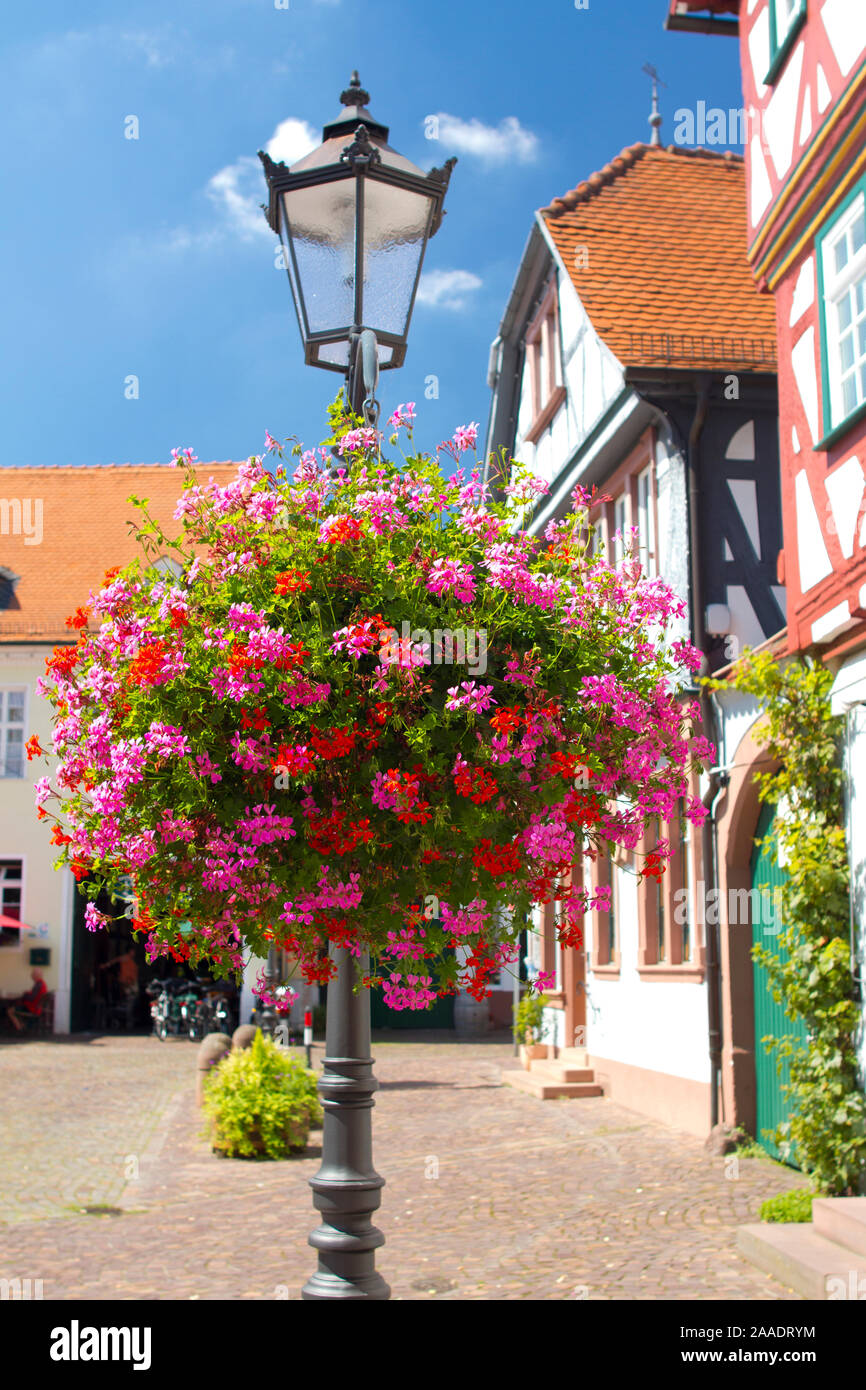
[655, 245]
[84, 533]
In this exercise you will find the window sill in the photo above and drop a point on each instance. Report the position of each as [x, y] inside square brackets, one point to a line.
[840, 430]
[606, 972]
[545, 415]
[689, 974]
[780, 57]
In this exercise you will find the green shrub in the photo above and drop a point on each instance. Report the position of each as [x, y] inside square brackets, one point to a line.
[750, 1148]
[260, 1102]
[795, 1205]
[529, 1018]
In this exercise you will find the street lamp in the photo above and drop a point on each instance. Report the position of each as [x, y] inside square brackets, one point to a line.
[354, 218]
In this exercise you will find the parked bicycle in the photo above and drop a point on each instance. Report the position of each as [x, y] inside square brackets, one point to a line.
[172, 1006]
[213, 1012]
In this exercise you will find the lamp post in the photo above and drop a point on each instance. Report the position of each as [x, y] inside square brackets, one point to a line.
[354, 218]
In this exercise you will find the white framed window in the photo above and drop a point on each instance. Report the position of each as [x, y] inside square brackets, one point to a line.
[543, 364]
[11, 889]
[786, 19]
[842, 263]
[13, 709]
[646, 523]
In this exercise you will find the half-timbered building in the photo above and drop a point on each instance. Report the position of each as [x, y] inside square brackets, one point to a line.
[636, 354]
[804, 117]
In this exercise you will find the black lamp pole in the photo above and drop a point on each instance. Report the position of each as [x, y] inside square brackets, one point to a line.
[347, 1187]
[354, 217]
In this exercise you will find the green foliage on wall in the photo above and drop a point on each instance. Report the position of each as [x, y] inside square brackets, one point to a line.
[826, 1131]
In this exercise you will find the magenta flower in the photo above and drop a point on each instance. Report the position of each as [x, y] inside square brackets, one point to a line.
[465, 437]
[403, 416]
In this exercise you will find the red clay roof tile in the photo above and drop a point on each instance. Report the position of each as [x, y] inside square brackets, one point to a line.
[654, 244]
[84, 533]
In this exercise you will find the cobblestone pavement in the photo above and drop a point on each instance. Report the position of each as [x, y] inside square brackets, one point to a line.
[491, 1194]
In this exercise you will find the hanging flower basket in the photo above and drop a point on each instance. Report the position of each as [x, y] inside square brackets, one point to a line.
[372, 710]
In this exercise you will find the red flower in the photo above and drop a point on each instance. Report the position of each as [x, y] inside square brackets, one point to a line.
[497, 859]
[346, 529]
[333, 743]
[654, 867]
[256, 719]
[33, 748]
[79, 618]
[506, 719]
[477, 784]
[63, 661]
[146, 667]
[292, 581]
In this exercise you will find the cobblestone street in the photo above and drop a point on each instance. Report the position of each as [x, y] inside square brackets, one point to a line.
[490, 1193]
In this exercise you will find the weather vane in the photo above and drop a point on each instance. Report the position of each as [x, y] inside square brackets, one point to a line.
[655, 119]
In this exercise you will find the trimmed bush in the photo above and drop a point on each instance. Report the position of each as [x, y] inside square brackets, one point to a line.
[795, 1205]
[260, 1102]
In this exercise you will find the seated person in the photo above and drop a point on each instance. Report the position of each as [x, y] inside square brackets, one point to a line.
[29, 1003]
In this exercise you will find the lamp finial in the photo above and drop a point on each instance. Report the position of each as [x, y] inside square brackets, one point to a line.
[354, 95]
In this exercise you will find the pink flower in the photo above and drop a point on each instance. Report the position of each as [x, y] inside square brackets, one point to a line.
[404, 415]
[450, 574]
[465, 437]
[94, 920]
[183, 456]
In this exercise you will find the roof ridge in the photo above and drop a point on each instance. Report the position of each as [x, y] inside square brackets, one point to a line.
[620, 165]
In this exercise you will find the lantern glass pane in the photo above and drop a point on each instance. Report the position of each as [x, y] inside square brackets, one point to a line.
[338, 353]
[396, 223]
[320, 223]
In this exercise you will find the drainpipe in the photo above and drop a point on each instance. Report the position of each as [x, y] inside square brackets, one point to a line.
[718, 778]
[718, 782]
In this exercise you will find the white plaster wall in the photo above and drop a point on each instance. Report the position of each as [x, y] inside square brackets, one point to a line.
[673, 527]
[47, 897]
[657, 1026]
[737, 713]
[593, 379]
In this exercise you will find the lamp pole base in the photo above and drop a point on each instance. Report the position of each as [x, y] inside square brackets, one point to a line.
[347, 1188]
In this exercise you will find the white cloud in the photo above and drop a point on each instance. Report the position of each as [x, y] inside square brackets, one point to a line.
[158, 47]
[291, 140]
[153, 46]
[447, 289]
[492, 144]
[238, 189]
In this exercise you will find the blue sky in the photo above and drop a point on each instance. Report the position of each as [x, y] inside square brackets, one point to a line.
[146, 257]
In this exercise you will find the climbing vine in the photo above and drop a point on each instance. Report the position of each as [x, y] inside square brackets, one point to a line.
[826, 1130]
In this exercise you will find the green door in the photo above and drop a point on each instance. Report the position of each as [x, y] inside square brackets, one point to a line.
[770, 1018]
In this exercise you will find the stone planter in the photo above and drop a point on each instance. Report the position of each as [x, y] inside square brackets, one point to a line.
[471, 1016]
[530, 1052]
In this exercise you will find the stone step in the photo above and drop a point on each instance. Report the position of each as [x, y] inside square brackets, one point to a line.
[800, 1258]
[556, 1071]
[841, 1219]
[545, 1089]
[573, 1056]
